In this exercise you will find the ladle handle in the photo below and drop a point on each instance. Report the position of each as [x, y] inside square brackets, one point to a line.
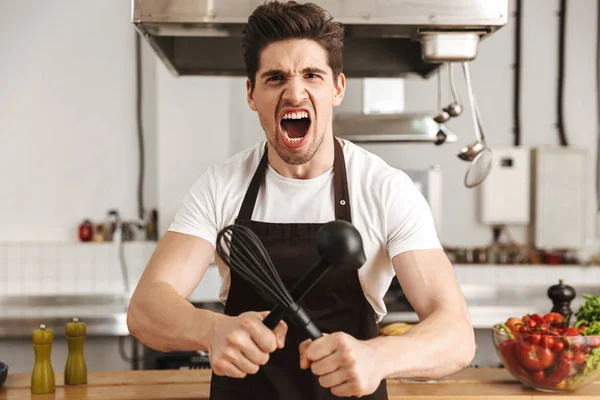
[298, 291]
[299, 317]
[309, 280]
[467, 73]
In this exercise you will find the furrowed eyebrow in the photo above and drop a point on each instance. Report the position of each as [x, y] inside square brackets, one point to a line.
[312, 70]
[275, 72]
[272, 72]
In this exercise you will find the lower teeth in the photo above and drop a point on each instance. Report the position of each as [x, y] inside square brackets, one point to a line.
[290, 138]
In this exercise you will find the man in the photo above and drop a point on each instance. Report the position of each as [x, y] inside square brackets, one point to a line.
[284, 189]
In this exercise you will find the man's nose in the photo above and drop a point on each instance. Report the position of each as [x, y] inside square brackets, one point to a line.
[295, 91]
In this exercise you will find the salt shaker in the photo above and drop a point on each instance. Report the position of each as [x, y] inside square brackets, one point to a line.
[75, 367]
[42, 377]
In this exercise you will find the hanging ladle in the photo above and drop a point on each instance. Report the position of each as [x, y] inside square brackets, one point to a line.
[469, 152]
[339, 245]
[454, 109]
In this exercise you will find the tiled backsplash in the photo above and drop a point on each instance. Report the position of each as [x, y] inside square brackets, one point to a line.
[70, 268]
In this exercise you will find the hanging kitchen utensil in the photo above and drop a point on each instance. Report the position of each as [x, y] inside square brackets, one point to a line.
[339, 245]
[454, 109]
[440, 136]
[443, 116]
[243, 252]
[479, 155]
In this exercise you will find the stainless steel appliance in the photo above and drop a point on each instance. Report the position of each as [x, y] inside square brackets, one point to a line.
[383, 37]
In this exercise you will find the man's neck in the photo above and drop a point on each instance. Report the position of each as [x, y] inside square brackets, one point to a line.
[318, 165]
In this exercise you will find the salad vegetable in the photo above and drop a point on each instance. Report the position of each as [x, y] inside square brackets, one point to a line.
[548, 352]
[590, 309]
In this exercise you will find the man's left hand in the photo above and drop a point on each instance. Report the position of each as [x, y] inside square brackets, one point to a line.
[345, 365]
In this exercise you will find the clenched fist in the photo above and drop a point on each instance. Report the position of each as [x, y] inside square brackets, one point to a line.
[240, 345]
[345, 365]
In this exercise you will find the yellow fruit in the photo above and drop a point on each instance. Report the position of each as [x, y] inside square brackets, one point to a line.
[395, 329]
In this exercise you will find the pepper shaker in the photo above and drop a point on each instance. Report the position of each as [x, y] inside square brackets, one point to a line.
[42, 377]
[561, 296]
[75, 367]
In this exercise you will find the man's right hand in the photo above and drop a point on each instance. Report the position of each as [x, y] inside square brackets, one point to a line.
[240, 345]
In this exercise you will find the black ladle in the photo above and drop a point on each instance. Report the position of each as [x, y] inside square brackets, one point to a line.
[339, 245]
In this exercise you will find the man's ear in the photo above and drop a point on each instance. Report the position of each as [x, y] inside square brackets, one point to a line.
[340, 90]
[250, 93]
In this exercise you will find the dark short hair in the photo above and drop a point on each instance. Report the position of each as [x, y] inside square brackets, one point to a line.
[275, 21]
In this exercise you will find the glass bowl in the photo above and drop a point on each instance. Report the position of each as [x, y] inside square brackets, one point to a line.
[549, 363]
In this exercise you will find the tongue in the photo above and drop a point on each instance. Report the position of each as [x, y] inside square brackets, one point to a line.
[295, 128]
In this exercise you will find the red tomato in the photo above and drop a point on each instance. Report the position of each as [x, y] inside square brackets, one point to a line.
[579, 358]
[534, 338]
[514, 324]
[571, 332]
[534, 357]
[548, 342]
[558, 346]
[532, 324]
[567, 356]
[523, 329]
[553, 318]
[538, 375]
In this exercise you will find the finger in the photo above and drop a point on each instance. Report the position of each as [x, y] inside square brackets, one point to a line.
[329, 364]
[322, 347]
[335, 378]
[238, 359]
[347, 389]
[260, 334]
[223, 367]
[241, 341]
[252, 352]
[304, 363]
[280, 333]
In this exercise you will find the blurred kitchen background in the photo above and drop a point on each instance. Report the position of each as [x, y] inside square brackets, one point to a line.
[100, 141]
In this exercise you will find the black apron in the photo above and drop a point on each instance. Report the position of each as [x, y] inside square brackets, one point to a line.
[335, 304]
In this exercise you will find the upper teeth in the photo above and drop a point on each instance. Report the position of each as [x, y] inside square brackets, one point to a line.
[295, 115]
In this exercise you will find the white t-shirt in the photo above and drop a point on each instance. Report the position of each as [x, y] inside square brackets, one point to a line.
[387, 209]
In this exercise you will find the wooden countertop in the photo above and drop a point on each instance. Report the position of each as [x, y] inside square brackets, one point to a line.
[489, 384]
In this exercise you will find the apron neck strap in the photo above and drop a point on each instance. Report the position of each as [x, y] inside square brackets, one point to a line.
[340, 186]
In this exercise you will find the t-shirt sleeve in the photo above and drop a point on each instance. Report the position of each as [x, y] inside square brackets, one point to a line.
[197, 215]
[410, 224]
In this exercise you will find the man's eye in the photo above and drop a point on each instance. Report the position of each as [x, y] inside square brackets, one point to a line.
[275, 78]
[312, 76]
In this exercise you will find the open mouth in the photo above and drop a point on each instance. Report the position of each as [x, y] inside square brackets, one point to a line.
[295, 127]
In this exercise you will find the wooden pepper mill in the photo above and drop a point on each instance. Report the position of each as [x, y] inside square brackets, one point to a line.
[42, 377]
[561, 296]
[75, 367]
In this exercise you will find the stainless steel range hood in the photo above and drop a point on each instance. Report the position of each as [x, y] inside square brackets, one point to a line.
[384, 38]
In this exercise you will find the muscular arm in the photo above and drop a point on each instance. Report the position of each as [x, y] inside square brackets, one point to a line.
[443, 342]
[159, 314]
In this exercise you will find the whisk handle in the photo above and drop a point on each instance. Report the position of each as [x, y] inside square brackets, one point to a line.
[299, 317]
[276, 315]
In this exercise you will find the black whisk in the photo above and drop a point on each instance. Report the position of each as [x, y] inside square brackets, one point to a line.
[243, 252]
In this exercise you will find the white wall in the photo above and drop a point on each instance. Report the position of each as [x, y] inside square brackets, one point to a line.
[194, 122]
[68, 144]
